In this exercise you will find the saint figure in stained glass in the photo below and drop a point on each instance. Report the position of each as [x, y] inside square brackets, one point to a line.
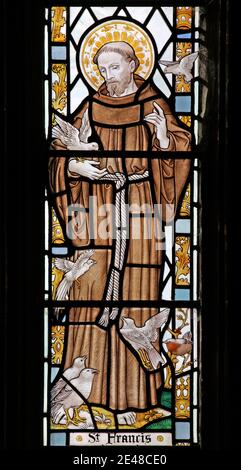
[120, 342]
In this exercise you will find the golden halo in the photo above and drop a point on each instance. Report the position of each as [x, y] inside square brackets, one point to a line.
[111, 31]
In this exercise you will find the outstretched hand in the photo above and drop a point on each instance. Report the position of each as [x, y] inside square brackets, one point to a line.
[158, 119]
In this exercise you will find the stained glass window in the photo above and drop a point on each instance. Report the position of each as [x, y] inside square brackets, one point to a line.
[125, 97]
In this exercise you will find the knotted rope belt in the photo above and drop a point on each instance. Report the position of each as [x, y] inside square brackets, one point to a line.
[113, 289]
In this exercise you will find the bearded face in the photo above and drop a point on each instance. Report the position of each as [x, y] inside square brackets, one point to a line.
[117, 87]
[117, 72]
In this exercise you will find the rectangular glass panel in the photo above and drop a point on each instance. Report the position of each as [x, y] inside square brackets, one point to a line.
[123, 310]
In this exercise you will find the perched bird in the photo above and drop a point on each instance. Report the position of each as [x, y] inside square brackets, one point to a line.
[72, 271]
[183, 66]
[68, 398]
[70, 373]
[180, 346]
[141, 338]
[72, 138]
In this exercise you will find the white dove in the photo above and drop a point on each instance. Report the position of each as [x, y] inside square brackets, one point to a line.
[73, 270]
[70, 373]
[72, 138]
[183, 66]
[69, 398]
[141, 338]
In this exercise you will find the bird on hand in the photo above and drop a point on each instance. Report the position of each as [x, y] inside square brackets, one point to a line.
[183, 66]
[141, 338]
[72, 271]
[69, 374]
[180, 346]
[73, 138]
[69, 398]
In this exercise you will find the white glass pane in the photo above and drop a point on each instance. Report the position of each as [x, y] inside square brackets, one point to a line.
[139, 13]
[82, 25]
[195, 275]
[159, 30]
[167, 334]
[103, 12]
[195, 382]
[195, 226]
[46, 51]
[203, 101]
[197, 17]
[46, 111]
[169, 13]
[196, 100]
[73, 66]
[195, 337]
[79, 92]
[168, 55]
[54, 373]
[196, 63]
[73, 12]
[46, 332]
[195, 426]
[195, 189]
[121, 13]
[169, 242]
[167, 291]
[196, 131]
[45, 431]
[161, 84]
[166, 271]
[46, 285]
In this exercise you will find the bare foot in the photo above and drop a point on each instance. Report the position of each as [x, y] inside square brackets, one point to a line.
[104, 319]
[114, 313]
[129, 417]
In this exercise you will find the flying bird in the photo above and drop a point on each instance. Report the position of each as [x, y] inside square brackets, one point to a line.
[72, 271]
[180, 346]
[141, 338]
[183, 66]
[68, 398]
[70, 373]
[72, 138]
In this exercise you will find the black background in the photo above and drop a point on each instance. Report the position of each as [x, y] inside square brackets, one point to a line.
[23, 171]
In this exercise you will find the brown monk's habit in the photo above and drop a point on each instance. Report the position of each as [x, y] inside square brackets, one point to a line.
[122, 381]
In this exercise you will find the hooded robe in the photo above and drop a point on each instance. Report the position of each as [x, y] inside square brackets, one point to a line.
[123, 381]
